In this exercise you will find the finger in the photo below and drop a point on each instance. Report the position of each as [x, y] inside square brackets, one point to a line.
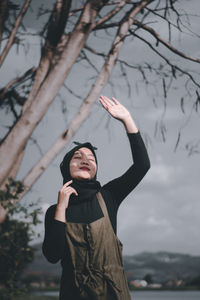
[71, 190]
[103, 103]
[67, 183]
[107, 101]
[115, 101]
[74, 192]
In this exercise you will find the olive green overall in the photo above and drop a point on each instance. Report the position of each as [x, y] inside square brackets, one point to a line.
[96, 255]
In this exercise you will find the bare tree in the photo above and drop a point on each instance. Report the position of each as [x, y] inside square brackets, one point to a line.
[66, 33]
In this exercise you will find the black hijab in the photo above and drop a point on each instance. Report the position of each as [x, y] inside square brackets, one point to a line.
[86, 188]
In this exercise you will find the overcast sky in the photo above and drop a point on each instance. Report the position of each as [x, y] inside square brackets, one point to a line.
[162, 213]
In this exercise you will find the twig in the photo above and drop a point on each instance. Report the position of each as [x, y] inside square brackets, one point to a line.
[4, 90]
[165, 43]
[174, 67]
[14, 31]
[110, 14]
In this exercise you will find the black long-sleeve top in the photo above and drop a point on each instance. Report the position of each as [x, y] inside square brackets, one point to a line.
[114, 192]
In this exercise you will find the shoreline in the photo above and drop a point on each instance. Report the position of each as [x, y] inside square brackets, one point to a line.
[189, 288]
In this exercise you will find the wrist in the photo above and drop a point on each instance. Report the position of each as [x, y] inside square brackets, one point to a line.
[126, 118]
[60, 213]
[130, 125]
[60, 207]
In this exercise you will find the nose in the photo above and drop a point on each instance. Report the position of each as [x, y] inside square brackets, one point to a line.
[84, 162]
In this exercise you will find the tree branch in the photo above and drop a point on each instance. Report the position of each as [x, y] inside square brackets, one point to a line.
[174, 67]
[72, 12]
[72, 92]
[14, 31]
[85, 57]
[3, 8]
[162, 17]
[58, 21]
[110, 14]
[105, 26]
[94, 51]
[55, 42]
[4, 90]
[165, 43]
[194, 107]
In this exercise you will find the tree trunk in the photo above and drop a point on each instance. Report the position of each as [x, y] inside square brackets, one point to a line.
[20, 133]
[87, 104]
[3, 8]
[55, 36]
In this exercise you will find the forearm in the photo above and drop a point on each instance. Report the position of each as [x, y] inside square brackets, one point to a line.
[129, 124]
[60, 214]
[139, 152]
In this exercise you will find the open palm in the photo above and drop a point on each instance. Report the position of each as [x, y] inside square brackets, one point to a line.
[114, 107]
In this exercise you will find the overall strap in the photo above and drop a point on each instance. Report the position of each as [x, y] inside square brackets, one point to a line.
[102, 204]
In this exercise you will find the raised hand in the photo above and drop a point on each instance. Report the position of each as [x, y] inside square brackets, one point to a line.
[119, 112]
[115, 108]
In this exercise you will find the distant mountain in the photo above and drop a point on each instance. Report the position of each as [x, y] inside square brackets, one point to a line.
[162, 266]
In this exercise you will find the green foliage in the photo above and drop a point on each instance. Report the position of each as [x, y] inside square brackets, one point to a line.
[195, 281]
[10, 194]
[15, 252]
[148, 278]
[16, 232]
[14, 293]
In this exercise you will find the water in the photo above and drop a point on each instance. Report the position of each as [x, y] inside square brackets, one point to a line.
[152, 295]
[166, 295]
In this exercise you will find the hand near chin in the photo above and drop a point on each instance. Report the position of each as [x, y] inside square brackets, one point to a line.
[64, 194]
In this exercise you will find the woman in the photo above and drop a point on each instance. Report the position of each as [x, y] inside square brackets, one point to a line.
[81, 229]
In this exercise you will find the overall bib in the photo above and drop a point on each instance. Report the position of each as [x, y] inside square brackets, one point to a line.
[96, 256]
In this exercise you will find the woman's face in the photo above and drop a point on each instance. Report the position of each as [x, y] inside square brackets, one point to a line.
[83, 164]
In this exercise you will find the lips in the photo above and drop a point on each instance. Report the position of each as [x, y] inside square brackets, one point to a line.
[85, 169]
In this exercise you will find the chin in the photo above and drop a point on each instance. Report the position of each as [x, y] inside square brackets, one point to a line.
[83, 177]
